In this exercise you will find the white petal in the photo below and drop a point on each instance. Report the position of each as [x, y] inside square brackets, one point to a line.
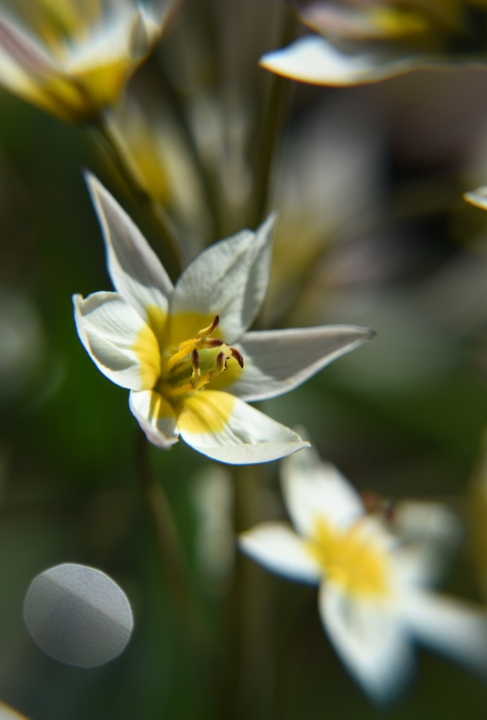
[370, 639]
[313, 59]
[118, 341]
[275, 546]
[313, 489]
[228, 279]
[477, 197]
[277, 361]
[225, 428]
[23, 49]
[155, 416]
[455, 628]
[134, 267]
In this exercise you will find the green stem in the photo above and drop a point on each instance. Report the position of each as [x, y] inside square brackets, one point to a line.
[273, 118]
[163, 527]
[247, 687]
[156, 211]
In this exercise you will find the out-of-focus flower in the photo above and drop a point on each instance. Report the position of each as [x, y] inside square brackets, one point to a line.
[373, 599]
[72, 58]
[367, 41]
[327, 181]
[153, 147]
[184, 351]
[7, 713]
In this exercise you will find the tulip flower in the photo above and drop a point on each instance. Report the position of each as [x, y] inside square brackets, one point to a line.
[184, 351]
[374, 597]
[74, 64]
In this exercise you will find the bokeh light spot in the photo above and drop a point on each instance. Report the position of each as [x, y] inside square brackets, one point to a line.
[78, 615]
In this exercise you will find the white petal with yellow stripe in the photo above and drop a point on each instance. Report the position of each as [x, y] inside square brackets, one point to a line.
[155, 416]
[225, 428]
[229, 279]
[118, 340]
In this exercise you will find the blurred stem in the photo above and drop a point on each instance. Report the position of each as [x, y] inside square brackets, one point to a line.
[249, 673]
[272, 121]
[163, 527]
[156, 211]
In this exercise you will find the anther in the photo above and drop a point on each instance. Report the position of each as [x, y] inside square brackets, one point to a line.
[238, 356]
[196, 375]
[210, 329]
[220, 364]
[214, 342]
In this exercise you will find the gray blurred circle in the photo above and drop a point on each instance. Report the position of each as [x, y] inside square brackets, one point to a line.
[78, 615]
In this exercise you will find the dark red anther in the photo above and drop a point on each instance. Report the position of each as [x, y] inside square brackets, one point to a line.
[214, 342]
[238, 356]
[195, 359]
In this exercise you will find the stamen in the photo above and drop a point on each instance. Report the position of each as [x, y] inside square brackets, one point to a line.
[196, 375]
[219, 365]
[206, 332]
[237, 355]
[214, 342]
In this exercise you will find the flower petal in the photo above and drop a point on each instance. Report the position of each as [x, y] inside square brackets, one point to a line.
[155, 416]
[135, 269]
[225, 428]
[228, 279]
[277, 361]
[370, 639]
[313, 59]
[313, 489]
[477, 197]
[275, 546]
[455, 628]
[119, 342]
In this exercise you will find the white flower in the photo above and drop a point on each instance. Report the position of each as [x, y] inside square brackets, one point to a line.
[73, 63]
[373, 597]
[184, 352]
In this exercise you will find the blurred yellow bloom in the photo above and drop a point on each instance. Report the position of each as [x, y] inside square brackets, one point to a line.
[73, 59]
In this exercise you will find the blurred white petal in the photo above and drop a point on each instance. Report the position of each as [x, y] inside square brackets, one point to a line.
[370, 639]
[313, 59]
[449, 626]
[313, 489]
[276, 547]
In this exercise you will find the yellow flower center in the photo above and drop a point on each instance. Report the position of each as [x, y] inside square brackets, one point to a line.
[352, 559]
[190, 365]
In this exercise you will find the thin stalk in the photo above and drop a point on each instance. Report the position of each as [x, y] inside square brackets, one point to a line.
[163, 527]
[246, 690]
[156, 211]
[272, 121]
